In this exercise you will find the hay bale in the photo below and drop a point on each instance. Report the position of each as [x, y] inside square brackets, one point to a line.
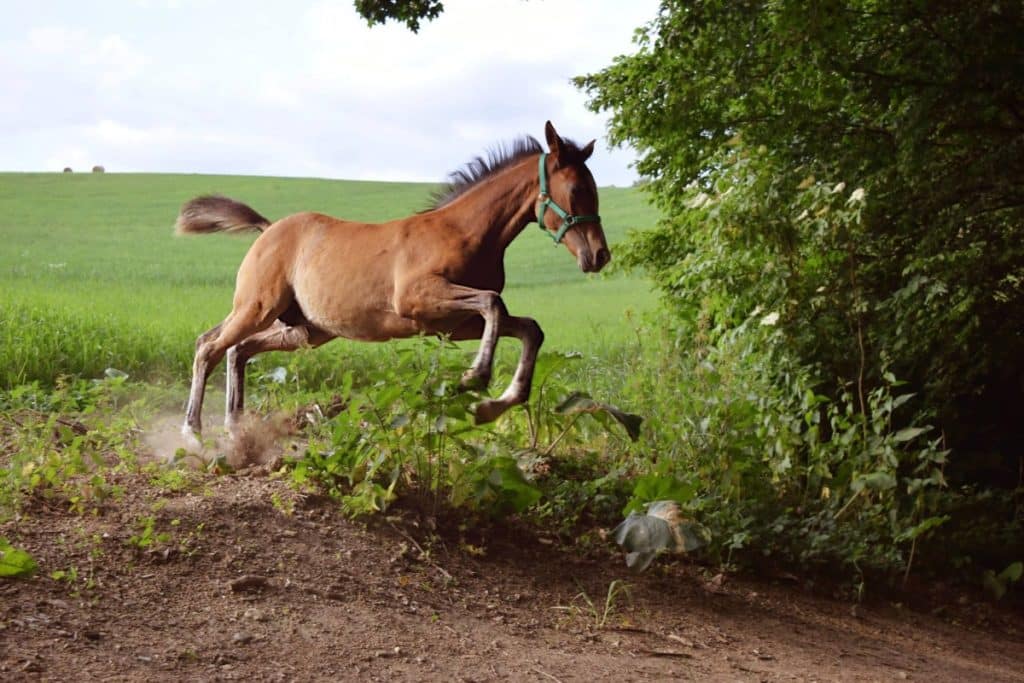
[98, 169]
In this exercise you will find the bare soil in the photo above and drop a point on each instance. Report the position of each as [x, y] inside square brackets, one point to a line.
[257, 583]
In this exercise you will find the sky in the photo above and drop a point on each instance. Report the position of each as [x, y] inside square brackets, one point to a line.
[300, 88]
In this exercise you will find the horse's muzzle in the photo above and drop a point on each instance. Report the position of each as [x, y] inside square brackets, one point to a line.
[591, 262]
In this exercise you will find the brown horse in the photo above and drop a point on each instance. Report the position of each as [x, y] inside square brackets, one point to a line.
[310, 278]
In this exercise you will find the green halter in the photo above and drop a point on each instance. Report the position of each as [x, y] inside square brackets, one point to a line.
[545, 202]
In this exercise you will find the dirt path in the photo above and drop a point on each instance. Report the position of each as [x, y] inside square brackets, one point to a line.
[331, 599]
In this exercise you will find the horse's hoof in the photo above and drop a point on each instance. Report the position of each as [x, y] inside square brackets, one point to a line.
[192, 438]
[489, 411]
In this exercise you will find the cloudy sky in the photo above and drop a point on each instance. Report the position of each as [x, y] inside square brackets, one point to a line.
[300, 88]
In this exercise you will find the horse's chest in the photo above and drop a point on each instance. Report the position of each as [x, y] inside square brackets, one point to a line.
[488, 275]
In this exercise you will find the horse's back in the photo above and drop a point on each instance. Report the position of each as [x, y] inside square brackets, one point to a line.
[295, 225]
[338, 274]
[306, 236]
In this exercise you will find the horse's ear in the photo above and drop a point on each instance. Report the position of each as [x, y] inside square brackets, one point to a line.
[587, 151]
[554, 142]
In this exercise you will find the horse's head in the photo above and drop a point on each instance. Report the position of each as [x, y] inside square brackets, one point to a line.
[567, 205]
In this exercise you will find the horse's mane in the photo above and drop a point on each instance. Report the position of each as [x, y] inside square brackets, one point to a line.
[499, 157]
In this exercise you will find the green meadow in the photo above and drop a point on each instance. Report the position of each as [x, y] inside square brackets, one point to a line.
[92, 276]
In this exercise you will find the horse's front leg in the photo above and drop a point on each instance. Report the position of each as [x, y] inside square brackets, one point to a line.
[530, 334]
[492, 310]
[435, 301]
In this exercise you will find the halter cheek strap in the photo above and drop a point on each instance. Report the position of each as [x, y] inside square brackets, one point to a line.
[545, 202]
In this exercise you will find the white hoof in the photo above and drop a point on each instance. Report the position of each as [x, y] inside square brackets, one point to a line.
[233, 427]
[192, 438]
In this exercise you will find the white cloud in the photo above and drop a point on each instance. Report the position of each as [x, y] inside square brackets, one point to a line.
[60, 51]
[113, 60]
[302, 89]
[53, 40]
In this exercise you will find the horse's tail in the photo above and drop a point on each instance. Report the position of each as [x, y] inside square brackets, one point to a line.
[213, 213]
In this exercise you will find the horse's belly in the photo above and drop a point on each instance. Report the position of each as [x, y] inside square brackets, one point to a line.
[375, 327]
[364, 323]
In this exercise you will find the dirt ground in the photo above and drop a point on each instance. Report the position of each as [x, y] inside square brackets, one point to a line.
[256, 583]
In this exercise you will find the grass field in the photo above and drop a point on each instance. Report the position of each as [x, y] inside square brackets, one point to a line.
[92, 277]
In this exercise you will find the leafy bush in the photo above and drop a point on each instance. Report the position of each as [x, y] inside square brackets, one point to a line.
[406, 431]
[774, 470]
[848, 176]
[59, 443]
[409, 431]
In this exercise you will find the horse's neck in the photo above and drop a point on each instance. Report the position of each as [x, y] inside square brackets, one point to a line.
[499, 209]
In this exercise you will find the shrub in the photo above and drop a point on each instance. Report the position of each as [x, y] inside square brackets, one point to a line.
[852, 175]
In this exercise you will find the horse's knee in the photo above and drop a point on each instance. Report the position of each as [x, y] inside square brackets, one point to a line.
[492, 301]
[420, 302]
[532, 332]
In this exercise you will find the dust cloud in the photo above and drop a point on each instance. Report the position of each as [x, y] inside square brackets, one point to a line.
[255, 441]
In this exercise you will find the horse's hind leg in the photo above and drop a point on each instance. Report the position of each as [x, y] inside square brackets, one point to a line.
[279, 337]
[210, 349]
[200, 372]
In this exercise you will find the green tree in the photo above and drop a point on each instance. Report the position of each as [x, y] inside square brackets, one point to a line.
[409, 12]
[740, 109]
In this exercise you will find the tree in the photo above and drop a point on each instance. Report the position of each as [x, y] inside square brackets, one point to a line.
[409, 12]
[742, 110]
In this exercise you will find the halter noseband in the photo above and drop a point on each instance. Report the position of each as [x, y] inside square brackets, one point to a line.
[545, 202]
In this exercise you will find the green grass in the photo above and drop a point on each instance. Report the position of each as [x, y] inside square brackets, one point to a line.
[92, 277]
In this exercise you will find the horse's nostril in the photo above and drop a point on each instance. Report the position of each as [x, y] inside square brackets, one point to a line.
[603, 257]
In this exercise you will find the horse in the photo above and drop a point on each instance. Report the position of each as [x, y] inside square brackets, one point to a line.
[310, 278]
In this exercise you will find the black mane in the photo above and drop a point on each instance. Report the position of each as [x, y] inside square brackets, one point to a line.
[479, 169]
